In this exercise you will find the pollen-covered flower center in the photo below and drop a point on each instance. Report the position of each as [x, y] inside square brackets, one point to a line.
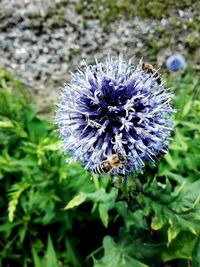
[110, 105]
[104, 114]
[111, 108]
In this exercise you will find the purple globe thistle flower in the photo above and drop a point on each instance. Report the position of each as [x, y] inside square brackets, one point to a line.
[175, 63]
[114, 107]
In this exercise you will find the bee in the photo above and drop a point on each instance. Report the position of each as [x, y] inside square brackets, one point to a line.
[114, 161]
[161, 154]
[148, 68]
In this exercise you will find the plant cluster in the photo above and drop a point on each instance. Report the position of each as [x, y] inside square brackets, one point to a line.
[53, 215]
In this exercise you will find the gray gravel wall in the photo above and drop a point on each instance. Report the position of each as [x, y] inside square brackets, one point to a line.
[41, 44]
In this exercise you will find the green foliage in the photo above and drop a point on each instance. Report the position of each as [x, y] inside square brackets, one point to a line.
[117, 255]
[37, 183]
[53, 214]
[196, 254]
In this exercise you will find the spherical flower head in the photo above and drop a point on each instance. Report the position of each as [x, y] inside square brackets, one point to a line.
[175, 63]
[114, 107]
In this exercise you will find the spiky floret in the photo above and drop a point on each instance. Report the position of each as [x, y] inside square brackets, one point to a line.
[113, 107]
[175, 62]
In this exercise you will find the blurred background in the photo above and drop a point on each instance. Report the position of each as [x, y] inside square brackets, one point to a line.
[41, 41]
[103, 224]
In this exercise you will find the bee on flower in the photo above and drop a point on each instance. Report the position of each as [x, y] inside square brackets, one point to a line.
[114, 161]
[114, 108]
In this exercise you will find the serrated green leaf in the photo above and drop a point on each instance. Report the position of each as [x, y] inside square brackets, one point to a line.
[6, 124]
[22, 234]
[14, 195]
[51, 259]
[76, 201]
[103, 212]
[38, 130]
[105, 202]
[121, 207]
[180, 248]
[51, 146]
[36, 259]
[157, 222]
[102, 196]
[196, 254]
[116, 256]
[71, 253]
[7, 228]
[137, 219]
[191, 125]
[182, 141]
[172, 233]
[187, 108]
[14, 127]
[171, 161]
